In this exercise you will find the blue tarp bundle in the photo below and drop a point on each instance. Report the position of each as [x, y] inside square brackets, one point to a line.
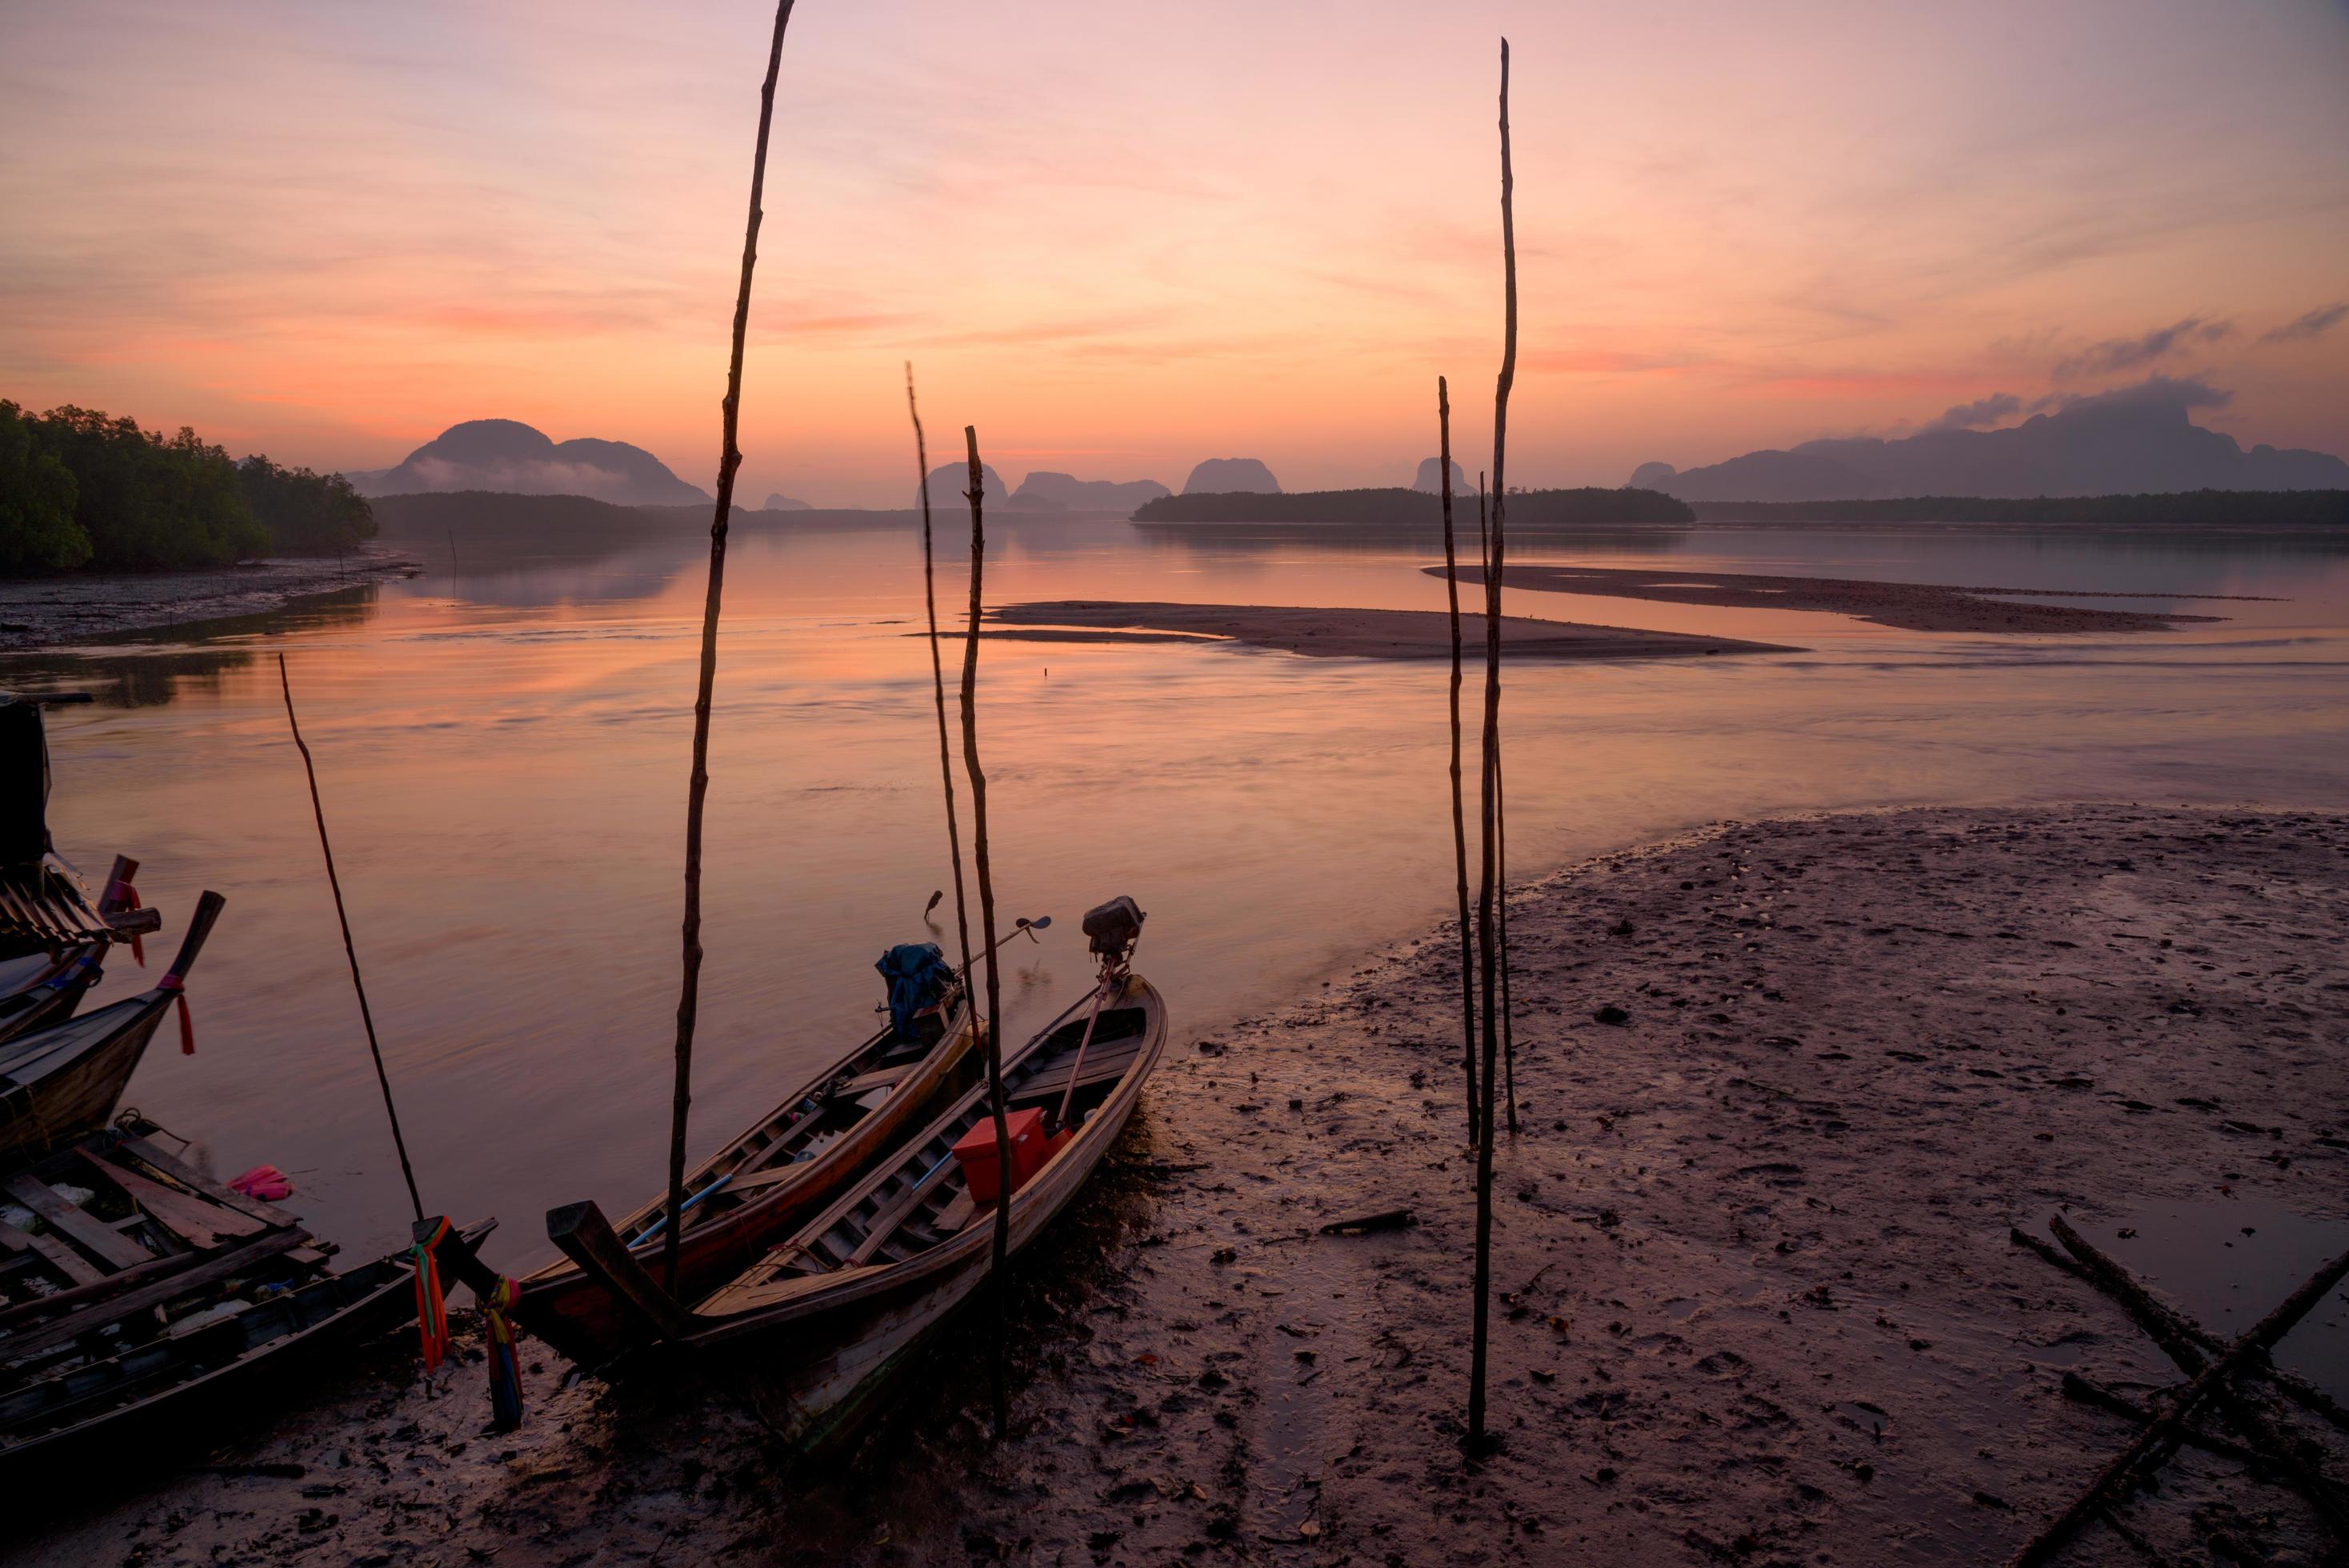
[917, 976]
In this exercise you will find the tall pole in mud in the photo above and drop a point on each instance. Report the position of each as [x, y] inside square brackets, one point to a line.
[987, 927]
[939, 683]
[1480, 1340]
[350, 952]
[1459, 826]
[689, 999]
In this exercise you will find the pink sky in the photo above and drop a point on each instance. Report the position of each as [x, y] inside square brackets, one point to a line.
[1121, 239]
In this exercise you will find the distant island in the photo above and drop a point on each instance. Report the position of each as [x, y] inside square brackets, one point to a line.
[949, 481]
[777, 501]
[1228, 475]
[1411, 508]
[510, 457]
[1431, 476]
[1045, 491]
[2133, 441]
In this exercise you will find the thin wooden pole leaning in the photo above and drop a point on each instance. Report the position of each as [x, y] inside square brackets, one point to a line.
[1501, 891]
[938, 683]
[350, 952]
[1480, 1336]
[986, 926]
[1459, 826]
[689, 1001]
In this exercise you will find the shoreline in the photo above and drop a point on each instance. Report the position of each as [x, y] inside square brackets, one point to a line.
[37, 613]
[1754, 1298]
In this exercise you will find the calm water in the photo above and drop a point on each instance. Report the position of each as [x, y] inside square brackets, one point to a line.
[504, 755]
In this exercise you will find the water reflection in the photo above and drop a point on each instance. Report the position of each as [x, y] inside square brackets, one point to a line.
[502, 752]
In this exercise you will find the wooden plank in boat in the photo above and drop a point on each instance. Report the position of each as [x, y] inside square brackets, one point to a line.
[187, 1176]
[889, 1219]
[767, 1178]
[70, 1219]
[887, 1078]
[112, 1307]
[66, 1261]
[957, 1214]
[200, 1224]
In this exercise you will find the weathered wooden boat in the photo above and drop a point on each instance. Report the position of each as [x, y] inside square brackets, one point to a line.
[227, 1290]
[765, 1183]
[49, 961]
[850, 1297]
[63, 1081]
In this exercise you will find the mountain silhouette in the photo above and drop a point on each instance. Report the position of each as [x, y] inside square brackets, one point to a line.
[508, 456]
[1231, 475]
[948, 481]
[779, 501]
[1431, 476]
[1052, 492]
[2134, 440]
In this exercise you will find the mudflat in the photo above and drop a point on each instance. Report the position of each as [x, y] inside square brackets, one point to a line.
[1754, 1296]
[1344, 633]
[52, 612]
[1909, 606]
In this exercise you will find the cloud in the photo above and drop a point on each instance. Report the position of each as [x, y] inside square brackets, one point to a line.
[2156, 391]
[1978, 414]
[2315, 324]
[2129, 353]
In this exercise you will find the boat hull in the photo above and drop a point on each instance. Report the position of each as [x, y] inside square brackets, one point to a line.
[574, 1313]
[70, 1098]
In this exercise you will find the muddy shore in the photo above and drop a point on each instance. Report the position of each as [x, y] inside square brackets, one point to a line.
[55, 612]
[1755, 1299]
[1909, 606]
[1343, 634]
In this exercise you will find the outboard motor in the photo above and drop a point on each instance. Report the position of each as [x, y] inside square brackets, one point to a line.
[918, 982]
[1114, 928]
[23, 782]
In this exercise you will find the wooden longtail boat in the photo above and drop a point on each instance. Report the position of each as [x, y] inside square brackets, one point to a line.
[277, 1310]
[765, 1183]
[47, 969]
[849, 1297]
[59, 1083]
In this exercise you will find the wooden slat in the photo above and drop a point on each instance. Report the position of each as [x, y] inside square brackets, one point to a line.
[188, 1176]
[957, 1214]
[767, 1178]
[66, 1261]
[887, 1078]
[86, 1230]
[199, 1223]
[886, 1223]
[112, 1307]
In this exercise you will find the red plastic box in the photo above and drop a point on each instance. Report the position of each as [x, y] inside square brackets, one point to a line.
[976, 1154]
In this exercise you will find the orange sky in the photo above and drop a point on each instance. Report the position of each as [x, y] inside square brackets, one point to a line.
[1121, 239]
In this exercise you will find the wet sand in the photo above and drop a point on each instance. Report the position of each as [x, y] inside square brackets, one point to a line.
[1909, 606]
[1343, 634]
[57, 612]
[1755, 1299]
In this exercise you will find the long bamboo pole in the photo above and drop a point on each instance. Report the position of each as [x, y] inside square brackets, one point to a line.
[350, 952]
[1459, 825]
[689, 1001]
[987, 926]
[1481, 1335]
[938, 682]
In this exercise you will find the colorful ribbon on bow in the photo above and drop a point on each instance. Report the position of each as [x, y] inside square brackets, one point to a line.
[432, 1306]
[179, 989]
[505, 1366]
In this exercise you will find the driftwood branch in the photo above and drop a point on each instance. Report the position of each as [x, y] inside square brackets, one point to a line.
[2112, 1483]
[729, 458]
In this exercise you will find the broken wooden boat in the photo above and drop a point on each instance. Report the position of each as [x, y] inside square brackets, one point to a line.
[53, 936]
[63, 1081]
[848, 1299]
[163, 1289]
[765, 1183]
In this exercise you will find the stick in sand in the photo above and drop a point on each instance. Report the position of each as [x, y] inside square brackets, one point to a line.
[382, 1079]
[986, 924]
[1480, 1337]
[939, 688]
[1459, 825]
[729, 458]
